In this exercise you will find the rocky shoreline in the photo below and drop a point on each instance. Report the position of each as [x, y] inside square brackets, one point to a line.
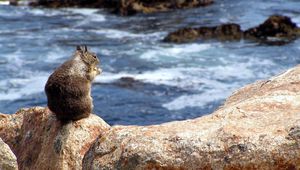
[258, 127]
[126, 7]
[276, 30]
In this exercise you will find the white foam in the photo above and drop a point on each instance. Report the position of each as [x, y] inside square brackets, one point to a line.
[192, 77]
[55, 55]
[117, 34]
[160, 77]
[37, 12]
[111, 33]
[185, 78]
[176, 51]
[88, 15]
[82, 11]
[198, 100]
[209, 91]
[43, 12]
[208, 82]
[296, 20]
[4, 2]
[15, 59]
[231, 71]
[215, 90]
[20, 88]
[182, 78]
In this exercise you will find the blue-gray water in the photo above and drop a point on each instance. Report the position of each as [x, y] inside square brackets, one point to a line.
[174, 82]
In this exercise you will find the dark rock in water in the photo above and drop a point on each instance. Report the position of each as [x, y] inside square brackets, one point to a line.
[130, 7]
[228, 32]
[223, 32]
[182, 35]
[127, 82]
[77, 3]
[126, 7]
[276, 30]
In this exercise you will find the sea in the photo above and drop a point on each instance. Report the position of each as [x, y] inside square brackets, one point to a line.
[144, 81]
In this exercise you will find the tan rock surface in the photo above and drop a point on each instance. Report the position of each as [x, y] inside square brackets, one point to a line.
[257, 128]
[41, 142]
[8, 160]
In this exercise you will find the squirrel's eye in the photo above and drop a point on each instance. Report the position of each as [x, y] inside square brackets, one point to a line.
[94, 56]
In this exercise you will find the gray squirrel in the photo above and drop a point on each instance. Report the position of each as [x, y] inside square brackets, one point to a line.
[68, 88]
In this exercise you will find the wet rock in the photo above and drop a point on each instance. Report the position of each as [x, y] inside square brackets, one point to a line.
[8, 160]
[257, 128]
[77, 3]
[130, 7]
[276, 30]
[69, 3]
[42, 142]
[224, 32]
[128, 82]
[124, 82]
[127, 7]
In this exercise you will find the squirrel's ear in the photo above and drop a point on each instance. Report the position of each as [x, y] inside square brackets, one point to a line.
[82, 48]
[85, 48]
[78, 48]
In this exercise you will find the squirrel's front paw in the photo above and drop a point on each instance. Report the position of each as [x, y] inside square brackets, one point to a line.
[99, 70]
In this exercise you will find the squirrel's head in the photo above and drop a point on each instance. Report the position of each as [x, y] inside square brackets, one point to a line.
[91, 61]
[87, 57]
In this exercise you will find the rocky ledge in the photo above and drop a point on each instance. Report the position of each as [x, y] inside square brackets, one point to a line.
[39, 141]
[258, 127]
[127, 7]
[276, 30]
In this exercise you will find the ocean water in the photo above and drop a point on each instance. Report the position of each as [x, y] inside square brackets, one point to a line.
[145, 81]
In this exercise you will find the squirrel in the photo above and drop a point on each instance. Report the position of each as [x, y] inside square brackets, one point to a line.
[68, 88]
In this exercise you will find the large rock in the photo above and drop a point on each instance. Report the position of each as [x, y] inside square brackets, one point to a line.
[8, 160]
[130, 7]
[127, 7]
[257, 128]
[276, 30]
[76, 3]
[41, 142]
[223, 32]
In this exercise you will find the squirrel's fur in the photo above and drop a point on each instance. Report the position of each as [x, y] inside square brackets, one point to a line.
[68, 89]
